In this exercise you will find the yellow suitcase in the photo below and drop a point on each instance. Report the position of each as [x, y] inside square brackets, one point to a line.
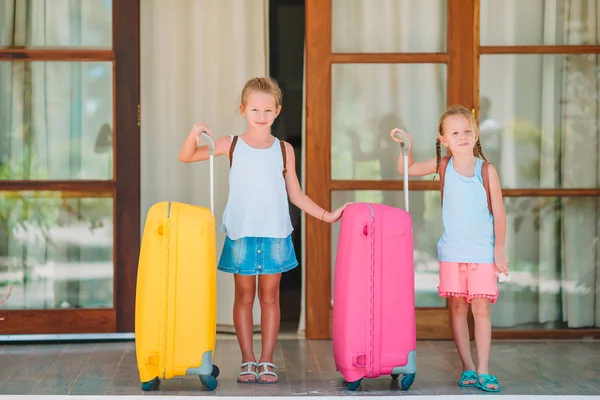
[175, 310]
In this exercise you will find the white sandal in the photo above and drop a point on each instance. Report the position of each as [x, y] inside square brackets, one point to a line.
[248, 365]
[266, 366]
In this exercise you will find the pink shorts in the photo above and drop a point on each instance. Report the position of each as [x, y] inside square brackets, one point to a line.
[468, 280]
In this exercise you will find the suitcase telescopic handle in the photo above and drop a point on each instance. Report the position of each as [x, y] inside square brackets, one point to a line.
[211, 152]
[405, 149]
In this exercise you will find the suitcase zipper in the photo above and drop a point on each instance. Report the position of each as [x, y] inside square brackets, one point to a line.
[372, 294]
[166, 291]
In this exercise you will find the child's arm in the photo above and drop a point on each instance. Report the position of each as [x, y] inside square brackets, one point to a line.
[414, 168]
[500, 258]
[191, 152]
[299, 198]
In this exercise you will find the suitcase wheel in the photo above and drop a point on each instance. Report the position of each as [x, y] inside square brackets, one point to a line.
[153, 384]
[209, 381]
[406, 381]
[215, 372]
[395, 376]
[354, 385]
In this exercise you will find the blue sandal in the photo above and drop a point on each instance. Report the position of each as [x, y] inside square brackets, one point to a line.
[469, 375]
[484, 380]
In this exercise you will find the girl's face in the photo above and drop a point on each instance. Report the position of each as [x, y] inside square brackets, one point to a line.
[260, 110]
[458, 135]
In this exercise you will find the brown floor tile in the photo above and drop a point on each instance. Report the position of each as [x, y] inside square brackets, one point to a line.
[12, 387]
[304, 368]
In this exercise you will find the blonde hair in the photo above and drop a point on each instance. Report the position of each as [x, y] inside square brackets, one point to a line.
[263, 85]
[457, 110]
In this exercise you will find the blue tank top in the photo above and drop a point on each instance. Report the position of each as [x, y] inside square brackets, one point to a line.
[257, 205]
[468, 225]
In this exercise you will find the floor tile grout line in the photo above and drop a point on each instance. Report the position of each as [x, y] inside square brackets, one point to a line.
[287, 377]
[116, 370]
[452, 366]
[22, 361]
[83, 368]
[60, 354]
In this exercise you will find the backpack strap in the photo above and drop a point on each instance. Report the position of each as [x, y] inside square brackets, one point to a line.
[284, 155]
[486, 184]
[233, 143]
[442, 172]
[484, 175]
[281, 144]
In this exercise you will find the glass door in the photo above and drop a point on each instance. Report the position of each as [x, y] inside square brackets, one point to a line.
[530, 75]
[373, 65]
[69, 165]
[538, 80]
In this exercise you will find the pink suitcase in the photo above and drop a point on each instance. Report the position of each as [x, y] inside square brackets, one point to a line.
[374, 329]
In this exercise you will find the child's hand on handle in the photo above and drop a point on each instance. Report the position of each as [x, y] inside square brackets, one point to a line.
[501, 261]
[400, 131]
[198, 129]
[332, 217]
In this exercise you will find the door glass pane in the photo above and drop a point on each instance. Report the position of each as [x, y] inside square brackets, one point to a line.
[539, 119]
[552, 245]
[539, 22]
[56, 250]
[56, 120]
[389, 26]
[56, 23]
[368, 100]
[426, 212]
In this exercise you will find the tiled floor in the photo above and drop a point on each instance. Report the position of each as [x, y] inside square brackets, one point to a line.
[305, 368]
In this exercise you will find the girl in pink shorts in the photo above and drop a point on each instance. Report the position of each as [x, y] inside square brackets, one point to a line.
[471, 249]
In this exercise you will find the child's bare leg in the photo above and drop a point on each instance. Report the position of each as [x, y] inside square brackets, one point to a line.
[245, 291]
[460, 330]
[483, 334]
[268, 294]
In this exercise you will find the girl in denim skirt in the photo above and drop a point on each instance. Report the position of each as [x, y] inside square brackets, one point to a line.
[257, 220]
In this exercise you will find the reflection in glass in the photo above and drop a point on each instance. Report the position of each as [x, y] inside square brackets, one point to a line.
[541, 132]
[389, 26]
[56, 23]
[368, 101]
[56, 251]
[56, 120]
[552, 244]
[427, 228]
[539, 22]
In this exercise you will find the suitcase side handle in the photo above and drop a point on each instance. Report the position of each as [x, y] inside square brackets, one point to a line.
[359, 360]
[405, 149]
[211, 152]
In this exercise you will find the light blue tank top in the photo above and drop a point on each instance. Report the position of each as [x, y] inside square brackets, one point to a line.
[258, 204]
[468, 225]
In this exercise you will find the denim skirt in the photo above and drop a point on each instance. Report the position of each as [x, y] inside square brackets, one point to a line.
[258, 256]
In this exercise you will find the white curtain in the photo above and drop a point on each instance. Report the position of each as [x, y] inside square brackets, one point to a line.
[196, 56]
[55, 250]
[549, 137]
